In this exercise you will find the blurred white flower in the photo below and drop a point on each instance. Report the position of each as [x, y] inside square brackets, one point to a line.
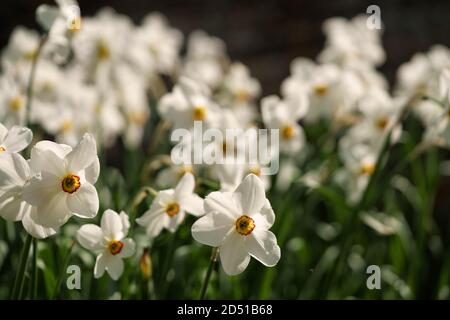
[238, 223]
[189, 102]
[169, 207]
[382, 223]
[109, 242]
[170, 176]
[155, 45]
[60, 22]
[351, 42]
[284, 115]
[205, 58]
[240, 85]
[13, 100]
[21, 47]
[65, 183]
[14, 140]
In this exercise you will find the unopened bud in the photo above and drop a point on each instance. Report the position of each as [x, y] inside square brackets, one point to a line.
[146, 264]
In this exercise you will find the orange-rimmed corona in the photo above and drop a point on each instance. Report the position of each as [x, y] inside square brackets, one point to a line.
[245, 225]
[70, 183]
[115, 247]
[172, 209]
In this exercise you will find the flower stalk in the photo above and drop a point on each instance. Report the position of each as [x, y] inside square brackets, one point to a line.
[212, 262]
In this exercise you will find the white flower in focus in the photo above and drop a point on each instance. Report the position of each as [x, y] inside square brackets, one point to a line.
[238, 223]
[14, 174]
[284, 115]
[109, 242]
[169, 207]
[65, 183]
[14, 140]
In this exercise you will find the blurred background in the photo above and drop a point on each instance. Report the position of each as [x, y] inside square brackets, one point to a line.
[267, 34]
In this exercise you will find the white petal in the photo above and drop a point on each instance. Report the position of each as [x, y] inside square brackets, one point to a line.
[172, 223]
[266, 217]
[84, 202]
[186, 186]
[125, 222]
[46, 16]
[40, 191]
[12, 207]
[3, 133]
[35, 229]
[212, 228]
[84, 154]
[193, 204]
[128, 249]
[92, 172]
[114, 267]
[153, 221]
[91, 237]
[251, 194]
[262, 245]
[18, 139]
[233, 255]
[221, 202]
[54, 213]
[112, 225]
[47, 160]
[100, 265]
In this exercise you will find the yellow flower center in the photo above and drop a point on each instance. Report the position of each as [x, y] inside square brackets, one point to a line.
[367, 169]
[288, 132]
[320, 90]
[256, 171]
[138, 118]
[245, 225]
[2, 149]
[242, 96]
[66, 126]
[183, 170]
[103, 52]
[70, 183]
[172, 209]
[30, 55]
[115, 246]
[199, 113]
[16, 103]
[382, 123]
[75, 25]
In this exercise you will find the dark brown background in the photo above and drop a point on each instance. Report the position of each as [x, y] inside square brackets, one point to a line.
[267, 35]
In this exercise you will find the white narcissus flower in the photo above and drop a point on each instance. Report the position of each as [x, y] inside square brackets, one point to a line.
[170, 206]
[14, 140]
[283, 115]
[13, 101]
[14, 174]
[189, 101]
[61, 22]
[238, 223]
[109, 242]
[64, 185]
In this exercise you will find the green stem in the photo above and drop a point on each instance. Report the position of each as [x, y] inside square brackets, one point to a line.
[63, 271]
[31, 79]
[34, 274]
[212, 262]
[20, 275]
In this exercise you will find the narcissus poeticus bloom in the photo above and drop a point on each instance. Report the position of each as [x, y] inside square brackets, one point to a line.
[238, 223]
[109, 242]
